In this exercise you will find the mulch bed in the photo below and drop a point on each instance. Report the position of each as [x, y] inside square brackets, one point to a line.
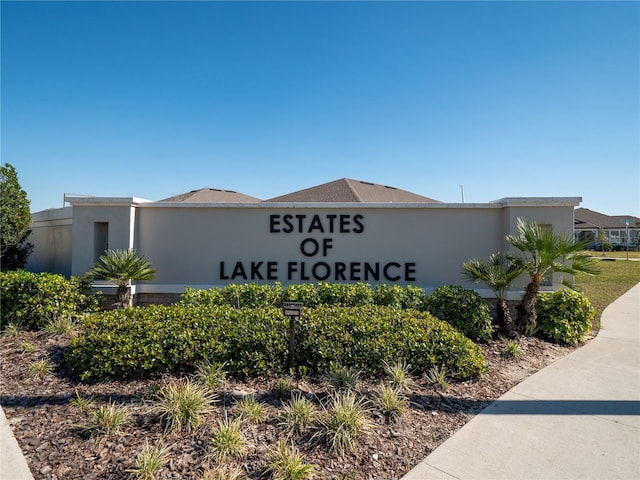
[47, 424]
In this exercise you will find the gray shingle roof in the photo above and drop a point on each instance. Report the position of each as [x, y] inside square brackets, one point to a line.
[588, 219]
[212, 195]
[349, 190]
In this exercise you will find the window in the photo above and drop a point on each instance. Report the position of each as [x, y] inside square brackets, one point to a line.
[100, 239]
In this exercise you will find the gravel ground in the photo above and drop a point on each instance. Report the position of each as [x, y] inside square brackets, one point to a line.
[48, 424]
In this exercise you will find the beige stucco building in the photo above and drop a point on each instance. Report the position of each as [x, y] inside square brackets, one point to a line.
[343, 231]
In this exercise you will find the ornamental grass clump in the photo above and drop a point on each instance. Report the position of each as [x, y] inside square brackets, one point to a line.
[344, 378]
[150, 460]
[512, 349]
[13, 330]
[227, 441]
[287, 463]
[437, 376]
[398, 374]
[282, 388]
[108, 419]
[183, 405]
[343, 423]
[297, 415]
[251, 410]
[225, 471]
[391, 403]
[211, 374]
[27, 347]
[40, 369]
[82, 402]
[61, 325]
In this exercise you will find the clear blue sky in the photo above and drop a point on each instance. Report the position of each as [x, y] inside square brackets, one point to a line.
[154, 99]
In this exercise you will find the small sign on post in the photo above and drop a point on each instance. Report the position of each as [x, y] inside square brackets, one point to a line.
[292, 310]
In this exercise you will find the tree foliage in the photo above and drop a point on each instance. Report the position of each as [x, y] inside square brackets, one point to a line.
[498, 272]
[122, 266]
[546, 252]
[15, 220]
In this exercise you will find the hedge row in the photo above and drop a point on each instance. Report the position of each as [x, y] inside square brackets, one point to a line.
[252, 295]
[462, 308]
[144, 342]
[31, 299]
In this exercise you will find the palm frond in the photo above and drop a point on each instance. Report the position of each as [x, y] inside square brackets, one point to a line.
[122, 266]
[498, 272]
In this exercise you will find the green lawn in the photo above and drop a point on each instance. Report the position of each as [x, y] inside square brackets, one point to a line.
[617, 277]
[598, 254]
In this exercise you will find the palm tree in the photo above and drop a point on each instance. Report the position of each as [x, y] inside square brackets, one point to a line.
[548, 253]
[122, 266]
[498, 272]
[602, 239]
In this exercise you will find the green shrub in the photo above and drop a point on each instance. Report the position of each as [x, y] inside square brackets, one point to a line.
[399, 297]
[345, 294]
[364, 338]
[303, 292]
[32, 299]
[252, 295]
[565, 316]
[464, 309]
[145, 342]
[414, 297]
[246, 295]
[388, 295]
[201, 297]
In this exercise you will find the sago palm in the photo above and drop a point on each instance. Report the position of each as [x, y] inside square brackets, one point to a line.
[546, 253]
[498, 272]
[122, 266]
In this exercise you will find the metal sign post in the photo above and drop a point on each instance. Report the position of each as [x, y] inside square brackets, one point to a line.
[292, 310]
[627, 222]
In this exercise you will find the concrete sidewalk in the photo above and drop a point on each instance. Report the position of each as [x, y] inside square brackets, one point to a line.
[579, 418]
[13, 465]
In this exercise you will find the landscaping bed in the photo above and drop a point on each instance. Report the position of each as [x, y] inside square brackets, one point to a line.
[48, 423]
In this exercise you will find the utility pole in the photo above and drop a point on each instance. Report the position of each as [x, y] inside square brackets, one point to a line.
[462, 192]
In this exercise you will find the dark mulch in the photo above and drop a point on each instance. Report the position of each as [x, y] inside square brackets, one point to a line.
[47, 424]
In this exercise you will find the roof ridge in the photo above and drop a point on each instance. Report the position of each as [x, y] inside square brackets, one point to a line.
[353, 190]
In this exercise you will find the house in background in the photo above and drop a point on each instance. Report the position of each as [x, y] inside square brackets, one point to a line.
[619, 230]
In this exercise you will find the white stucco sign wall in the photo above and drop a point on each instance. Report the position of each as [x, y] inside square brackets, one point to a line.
[205, 245]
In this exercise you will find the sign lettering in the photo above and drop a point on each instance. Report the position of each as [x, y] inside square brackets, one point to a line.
[313, 247]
